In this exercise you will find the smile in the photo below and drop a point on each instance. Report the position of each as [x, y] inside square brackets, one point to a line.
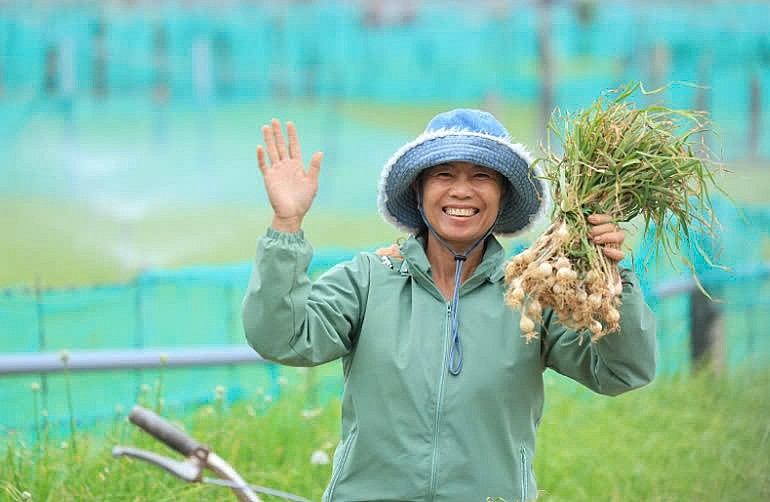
[463, 212]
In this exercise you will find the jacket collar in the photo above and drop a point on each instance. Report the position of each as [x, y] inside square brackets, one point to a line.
[416, 263]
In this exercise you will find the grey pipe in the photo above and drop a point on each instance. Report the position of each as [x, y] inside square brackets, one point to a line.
[105, 360]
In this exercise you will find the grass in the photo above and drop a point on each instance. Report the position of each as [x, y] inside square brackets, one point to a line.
[685, 438]
[64, 243]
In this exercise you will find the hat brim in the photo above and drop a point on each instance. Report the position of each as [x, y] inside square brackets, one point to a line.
[523, 205]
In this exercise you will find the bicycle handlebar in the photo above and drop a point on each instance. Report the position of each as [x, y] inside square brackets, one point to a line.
[186, 471]
[163, 431]
[198, 456]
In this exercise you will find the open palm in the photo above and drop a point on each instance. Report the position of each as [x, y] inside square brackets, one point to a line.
[289, 187]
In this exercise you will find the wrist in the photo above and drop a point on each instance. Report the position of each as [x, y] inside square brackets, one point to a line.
[290, 225]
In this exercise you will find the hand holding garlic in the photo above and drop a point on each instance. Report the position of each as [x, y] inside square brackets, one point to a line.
[585, 295]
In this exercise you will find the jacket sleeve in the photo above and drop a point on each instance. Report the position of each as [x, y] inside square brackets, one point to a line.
[288, 319]
[616, 363]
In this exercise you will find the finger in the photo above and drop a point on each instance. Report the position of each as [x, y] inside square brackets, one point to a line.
[603, 228]
[280, 143]
[387, 251]
[392, 250]
[261, 159]
[598, 218]
[294, 150]
[272, 153]
[613, 253]
[617, 238]
[315, 165]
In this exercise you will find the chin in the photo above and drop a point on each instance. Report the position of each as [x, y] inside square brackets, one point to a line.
[464, 238]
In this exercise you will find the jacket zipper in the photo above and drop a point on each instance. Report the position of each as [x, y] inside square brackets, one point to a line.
[342, 462]
[523, 452]
[439, 398]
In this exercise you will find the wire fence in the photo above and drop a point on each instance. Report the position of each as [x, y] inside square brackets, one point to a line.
[420, 52]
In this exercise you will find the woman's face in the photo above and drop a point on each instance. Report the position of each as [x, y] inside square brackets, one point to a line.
[461, 201]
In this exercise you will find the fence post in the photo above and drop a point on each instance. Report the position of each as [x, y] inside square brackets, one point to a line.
[755, 107]
[2, 86]
[139, 340]
[707, 334]
[99, 49]
[546, 63]
[41, 342]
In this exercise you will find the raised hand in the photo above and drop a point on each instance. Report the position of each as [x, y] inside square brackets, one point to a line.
[289, 187]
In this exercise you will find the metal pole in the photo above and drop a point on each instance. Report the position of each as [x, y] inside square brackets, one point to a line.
[546, 63]
[41, 342]
[111, 360]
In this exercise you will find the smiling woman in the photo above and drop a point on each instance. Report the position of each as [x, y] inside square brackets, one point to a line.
[442, 396]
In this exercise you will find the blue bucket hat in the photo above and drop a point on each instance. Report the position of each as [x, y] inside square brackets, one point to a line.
[464, 135]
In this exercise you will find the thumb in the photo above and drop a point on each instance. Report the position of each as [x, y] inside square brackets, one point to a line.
[315, 165]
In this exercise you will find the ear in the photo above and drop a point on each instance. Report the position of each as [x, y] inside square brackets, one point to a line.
[417, 183]
[505, 186]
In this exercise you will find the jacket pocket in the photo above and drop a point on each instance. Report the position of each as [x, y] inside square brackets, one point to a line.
[341, 460]
[524, 473]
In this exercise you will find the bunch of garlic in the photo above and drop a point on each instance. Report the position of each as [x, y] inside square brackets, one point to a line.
[583, 293]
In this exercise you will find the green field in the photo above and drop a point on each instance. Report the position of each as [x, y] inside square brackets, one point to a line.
[690, 438]
[57, 242]
[61, 243]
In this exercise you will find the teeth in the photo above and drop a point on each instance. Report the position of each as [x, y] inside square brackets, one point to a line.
[455, 211]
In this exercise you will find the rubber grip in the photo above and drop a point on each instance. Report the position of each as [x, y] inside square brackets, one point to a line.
[163, 431]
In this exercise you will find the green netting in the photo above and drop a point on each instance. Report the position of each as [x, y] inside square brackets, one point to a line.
[200, 306]
[196, 306]
[277, 51]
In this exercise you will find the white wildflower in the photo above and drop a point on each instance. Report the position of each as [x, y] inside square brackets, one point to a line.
[311, 413]
[319, 457]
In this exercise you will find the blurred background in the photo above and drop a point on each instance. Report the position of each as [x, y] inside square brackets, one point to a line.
[130, 202]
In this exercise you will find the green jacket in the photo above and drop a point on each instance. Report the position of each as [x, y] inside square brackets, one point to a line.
[410, 430]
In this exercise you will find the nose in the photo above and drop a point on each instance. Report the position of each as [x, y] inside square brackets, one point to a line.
[461, 187]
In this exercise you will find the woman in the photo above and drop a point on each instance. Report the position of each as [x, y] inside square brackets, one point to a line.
[442, 396]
